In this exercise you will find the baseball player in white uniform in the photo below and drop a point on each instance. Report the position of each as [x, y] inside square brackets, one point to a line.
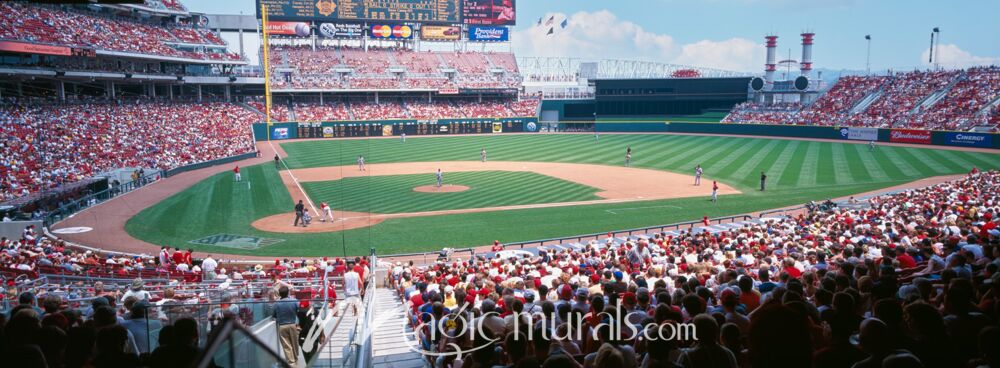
[697, 175]
[327, 212]
[440, 178]
[482, 155]
[361, 163]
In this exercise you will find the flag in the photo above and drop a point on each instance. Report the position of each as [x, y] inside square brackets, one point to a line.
[565, 23]
[550, 21]
[550, 31]
[868, 37]
[540, 20]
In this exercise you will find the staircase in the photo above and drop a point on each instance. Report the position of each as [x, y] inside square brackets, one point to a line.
[332, 354]
[935, 96]
[394, 342]
[865, 102]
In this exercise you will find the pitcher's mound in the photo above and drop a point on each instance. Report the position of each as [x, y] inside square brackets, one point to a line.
[447, 188]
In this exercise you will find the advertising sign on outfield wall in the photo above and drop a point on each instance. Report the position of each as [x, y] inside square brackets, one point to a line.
[910, 136]
[396, 32]
[859, 134]
[969, 139]
[440, 33]
[300, 29]
[489, 34]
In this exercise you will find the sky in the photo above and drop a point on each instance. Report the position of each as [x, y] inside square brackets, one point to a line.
[729, 34]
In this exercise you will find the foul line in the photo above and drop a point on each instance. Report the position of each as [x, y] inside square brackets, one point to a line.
[640, 208]
[294, 180]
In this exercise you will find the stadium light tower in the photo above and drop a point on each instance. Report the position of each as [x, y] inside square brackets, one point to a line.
[868, 55]
[937, 46]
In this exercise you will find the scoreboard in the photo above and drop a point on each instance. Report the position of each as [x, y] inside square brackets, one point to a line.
[421, 11]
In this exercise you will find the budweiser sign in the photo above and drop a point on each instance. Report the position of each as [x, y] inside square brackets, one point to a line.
[910, 136]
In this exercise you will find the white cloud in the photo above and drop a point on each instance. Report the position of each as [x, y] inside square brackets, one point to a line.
[737, 54]
[950, 55]
[602, 35]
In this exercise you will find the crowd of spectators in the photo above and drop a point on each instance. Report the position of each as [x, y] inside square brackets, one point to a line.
[44, 146]
[408, 109]
[129, 320]
[298, 67]
[776, 113]
[905, 280]
[902, 100]
[900, 95]
[21, 21]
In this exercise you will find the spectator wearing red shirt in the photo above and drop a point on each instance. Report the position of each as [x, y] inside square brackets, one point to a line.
[905, 260]
[189, 257]
[178, 256]
[497, 247]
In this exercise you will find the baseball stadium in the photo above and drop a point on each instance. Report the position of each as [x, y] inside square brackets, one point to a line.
[464, 183]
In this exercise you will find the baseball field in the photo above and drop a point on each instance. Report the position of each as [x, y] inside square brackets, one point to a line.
[531, 187]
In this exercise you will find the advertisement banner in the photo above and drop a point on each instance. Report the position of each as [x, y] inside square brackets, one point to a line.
[497, 127]
[910, 136]
[31, 48]
[340, 30]
[489, 34]
[300, 29]
[448, 91]
[279, 133]
[969, 139]
[397, 32]
[450, 33]
[489, 12]
[859, 134]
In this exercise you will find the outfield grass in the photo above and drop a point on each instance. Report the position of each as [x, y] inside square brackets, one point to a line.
[798, 171]
[394, 193]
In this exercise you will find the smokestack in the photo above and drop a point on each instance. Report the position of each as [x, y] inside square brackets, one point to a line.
[807, 53]
[772, 44]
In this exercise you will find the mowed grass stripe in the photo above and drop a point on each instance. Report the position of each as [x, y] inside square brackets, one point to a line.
[720, 152]
[978, 158]
[810, 166]
[950, 159]
[729, 171]
[826, 171]
[777, 169]
[841, 167]
[920, 156]
[752, 165]
[858, 169]
[729, 157]
[860, 156]
[793, 173]
[689, 153]
[908, 163]
[891, 169]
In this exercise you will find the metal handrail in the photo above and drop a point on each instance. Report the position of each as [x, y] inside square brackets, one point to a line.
[223, 336]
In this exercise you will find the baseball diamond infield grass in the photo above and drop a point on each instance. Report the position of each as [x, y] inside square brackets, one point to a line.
[394, 193]
[798, 171]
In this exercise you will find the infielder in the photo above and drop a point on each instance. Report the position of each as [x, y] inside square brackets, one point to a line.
[440, 178]
[277, 162]
[697, 175]
[715, 191]
[327, 212]
[361, 163]
[628, 158]
[482, 155]
[236, 172]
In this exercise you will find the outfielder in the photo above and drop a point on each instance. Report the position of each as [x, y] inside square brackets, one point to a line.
[361, 163]
[482, 155]
[236, 172]
[628, 159]
[871, 146]
[327, 212]
[440, 178]
[403, 137]
[697, 175]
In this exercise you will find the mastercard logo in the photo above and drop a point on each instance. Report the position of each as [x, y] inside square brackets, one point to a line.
[384, 31]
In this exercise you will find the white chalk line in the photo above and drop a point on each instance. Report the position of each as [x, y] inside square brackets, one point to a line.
[641, 208]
